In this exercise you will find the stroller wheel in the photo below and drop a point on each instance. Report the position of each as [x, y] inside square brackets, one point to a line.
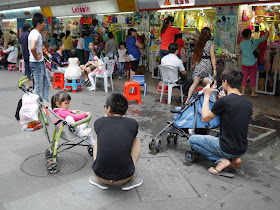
[169, 137]
[53, 167]
[152, 144]
[158, 145]
[175, 138]
[190, 155]
[90, 150]
[48, 154]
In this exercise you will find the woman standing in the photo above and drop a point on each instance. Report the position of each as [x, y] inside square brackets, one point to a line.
[134, 54]
[249, 61]
[205, 59]
[167, 35]
[68, 42]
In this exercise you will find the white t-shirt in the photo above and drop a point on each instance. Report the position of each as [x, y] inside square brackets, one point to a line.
[13, 54]
[81, 44]
[122, 54]
[173, 61]
[35, 35]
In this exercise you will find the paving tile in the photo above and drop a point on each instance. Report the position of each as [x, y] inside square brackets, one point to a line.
[9, 161]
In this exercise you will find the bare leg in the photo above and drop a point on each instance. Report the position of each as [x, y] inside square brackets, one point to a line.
[243, 90]
[253, 94]
[220, 166]
[236, 162]
[192, 88]
[131, 75]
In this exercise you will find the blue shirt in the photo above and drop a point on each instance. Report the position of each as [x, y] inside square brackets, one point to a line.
[52, 41]
[132, 48]
[57, 61]
[91, 56]
[23, 40]
[247, 48]
[88, 40]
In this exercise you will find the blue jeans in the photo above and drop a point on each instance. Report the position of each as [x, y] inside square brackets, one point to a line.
[41, 79]
[209, 147]
[163, 53]
[121, 68]
[87, 56]
[27, 69]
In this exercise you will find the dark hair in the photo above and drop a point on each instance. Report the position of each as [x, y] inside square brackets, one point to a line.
[246, 33]
[233, 76]
[173, 47]
[10, 43]
[87, 33]
[122, 43]
[55, 36]
[73, 53]
[166, 23]
[62, 35]
[83, 35]
[118, 103]
[130, 30]
[67, 34]
[110, 35]
[1, 33]
[204, 36]
[12, 32]
[58, 45]
[37, 18]
[59, 97]
[177, 36]
[25, 26]
[98, 52]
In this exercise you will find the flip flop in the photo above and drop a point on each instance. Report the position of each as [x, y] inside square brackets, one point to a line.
[238, 171]
[221, 173]
[254, 96]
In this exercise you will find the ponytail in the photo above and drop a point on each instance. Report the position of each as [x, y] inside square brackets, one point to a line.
[166, 23]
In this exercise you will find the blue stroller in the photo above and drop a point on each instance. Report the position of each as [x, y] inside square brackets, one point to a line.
[185, 119]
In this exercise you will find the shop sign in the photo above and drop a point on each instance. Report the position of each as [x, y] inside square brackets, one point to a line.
[175, 3]
[84, 9]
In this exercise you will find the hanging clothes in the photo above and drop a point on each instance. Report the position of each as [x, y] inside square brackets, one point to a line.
[266, 58]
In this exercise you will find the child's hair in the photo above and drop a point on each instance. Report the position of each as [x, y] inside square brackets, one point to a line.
[98, 52]
[121, 43]
[118, 103]
[110, 35]
[59, 97]
[73, 53]
[178, 36]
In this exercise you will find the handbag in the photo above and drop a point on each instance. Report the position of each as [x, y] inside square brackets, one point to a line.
[256, 52]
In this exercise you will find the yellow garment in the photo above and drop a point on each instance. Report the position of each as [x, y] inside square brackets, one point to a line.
[67, 42]
[275, 37]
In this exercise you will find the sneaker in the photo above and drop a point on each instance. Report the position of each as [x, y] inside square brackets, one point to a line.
[134, 182]
[89, 87]
[120, 78]
[87, 82]
[85, 132]
[92, 89]
[94, 181]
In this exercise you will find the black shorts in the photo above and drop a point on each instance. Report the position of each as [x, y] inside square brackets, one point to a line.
[134, 65]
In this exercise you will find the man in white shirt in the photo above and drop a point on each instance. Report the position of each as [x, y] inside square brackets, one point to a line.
[12, 52]
[172, 60]
[81, 49]
[36, 59]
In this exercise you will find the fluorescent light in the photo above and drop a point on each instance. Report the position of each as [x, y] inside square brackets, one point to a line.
[9, 20]
[121, 13]
[69, 16]
[29, 19]
[266, 4]
[170, 10]
[198, 8]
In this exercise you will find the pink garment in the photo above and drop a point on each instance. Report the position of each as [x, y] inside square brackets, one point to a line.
[252, 70]
[63, 113]
[262, 47]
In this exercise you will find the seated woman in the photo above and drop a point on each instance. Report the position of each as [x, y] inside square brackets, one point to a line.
[58, 65]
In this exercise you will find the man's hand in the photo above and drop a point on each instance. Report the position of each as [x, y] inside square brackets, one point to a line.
[39, 56]
[207, 91]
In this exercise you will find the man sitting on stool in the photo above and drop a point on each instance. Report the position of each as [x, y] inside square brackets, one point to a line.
[11, 58]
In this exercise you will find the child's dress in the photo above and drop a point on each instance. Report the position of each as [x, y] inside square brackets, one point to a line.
[99, 62]
[73, 71]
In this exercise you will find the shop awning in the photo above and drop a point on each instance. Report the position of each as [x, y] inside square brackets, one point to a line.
[19, 13]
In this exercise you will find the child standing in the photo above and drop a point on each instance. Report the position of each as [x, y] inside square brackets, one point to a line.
[60, 104]
[96, 66]
[73, 71]
[122, 54]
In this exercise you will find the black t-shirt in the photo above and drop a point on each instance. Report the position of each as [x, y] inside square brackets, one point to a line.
[234, 111]
[115, 137]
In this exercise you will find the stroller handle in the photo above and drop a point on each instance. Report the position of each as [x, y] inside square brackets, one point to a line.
[21, 81]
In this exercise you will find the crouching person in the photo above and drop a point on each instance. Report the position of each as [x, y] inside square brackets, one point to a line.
[116, 149]
[234, 110]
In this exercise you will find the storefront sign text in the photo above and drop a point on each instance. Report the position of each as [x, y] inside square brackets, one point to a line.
[80, 9]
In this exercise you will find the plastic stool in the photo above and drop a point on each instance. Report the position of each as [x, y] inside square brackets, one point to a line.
[165, 90]
[58, 80]
[21, 67]
[136, 96]
[12, 67]
[199, 89]
[73, 85]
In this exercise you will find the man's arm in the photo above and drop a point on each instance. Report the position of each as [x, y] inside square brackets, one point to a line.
[206, 114]
[33, 50]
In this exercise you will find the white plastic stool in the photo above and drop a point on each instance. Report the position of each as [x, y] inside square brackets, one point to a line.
[21, 66]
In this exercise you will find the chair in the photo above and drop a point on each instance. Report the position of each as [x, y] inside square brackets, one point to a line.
[73, 84]
[107, 71]
[169, 76]
[141, 80]
[12, 67]
[58, 80]
[135, 95]
[21, 67]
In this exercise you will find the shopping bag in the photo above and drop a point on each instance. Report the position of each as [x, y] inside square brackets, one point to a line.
[29, 110]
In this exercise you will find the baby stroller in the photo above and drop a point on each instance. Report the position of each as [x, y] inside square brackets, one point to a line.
[70, 138]
[185, 119]
[48, 64]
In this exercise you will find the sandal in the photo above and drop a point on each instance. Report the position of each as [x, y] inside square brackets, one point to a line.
[221, 173]
[238, 171]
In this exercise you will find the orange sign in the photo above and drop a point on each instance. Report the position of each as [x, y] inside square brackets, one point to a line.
[127, 5]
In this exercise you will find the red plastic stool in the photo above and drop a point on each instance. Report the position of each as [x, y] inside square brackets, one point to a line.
[136, 96]
[58, 80]
[199, 89]
[165, 90]
[12, 67]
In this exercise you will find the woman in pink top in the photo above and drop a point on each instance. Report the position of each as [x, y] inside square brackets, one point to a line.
[60, 105]
[167, 35]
